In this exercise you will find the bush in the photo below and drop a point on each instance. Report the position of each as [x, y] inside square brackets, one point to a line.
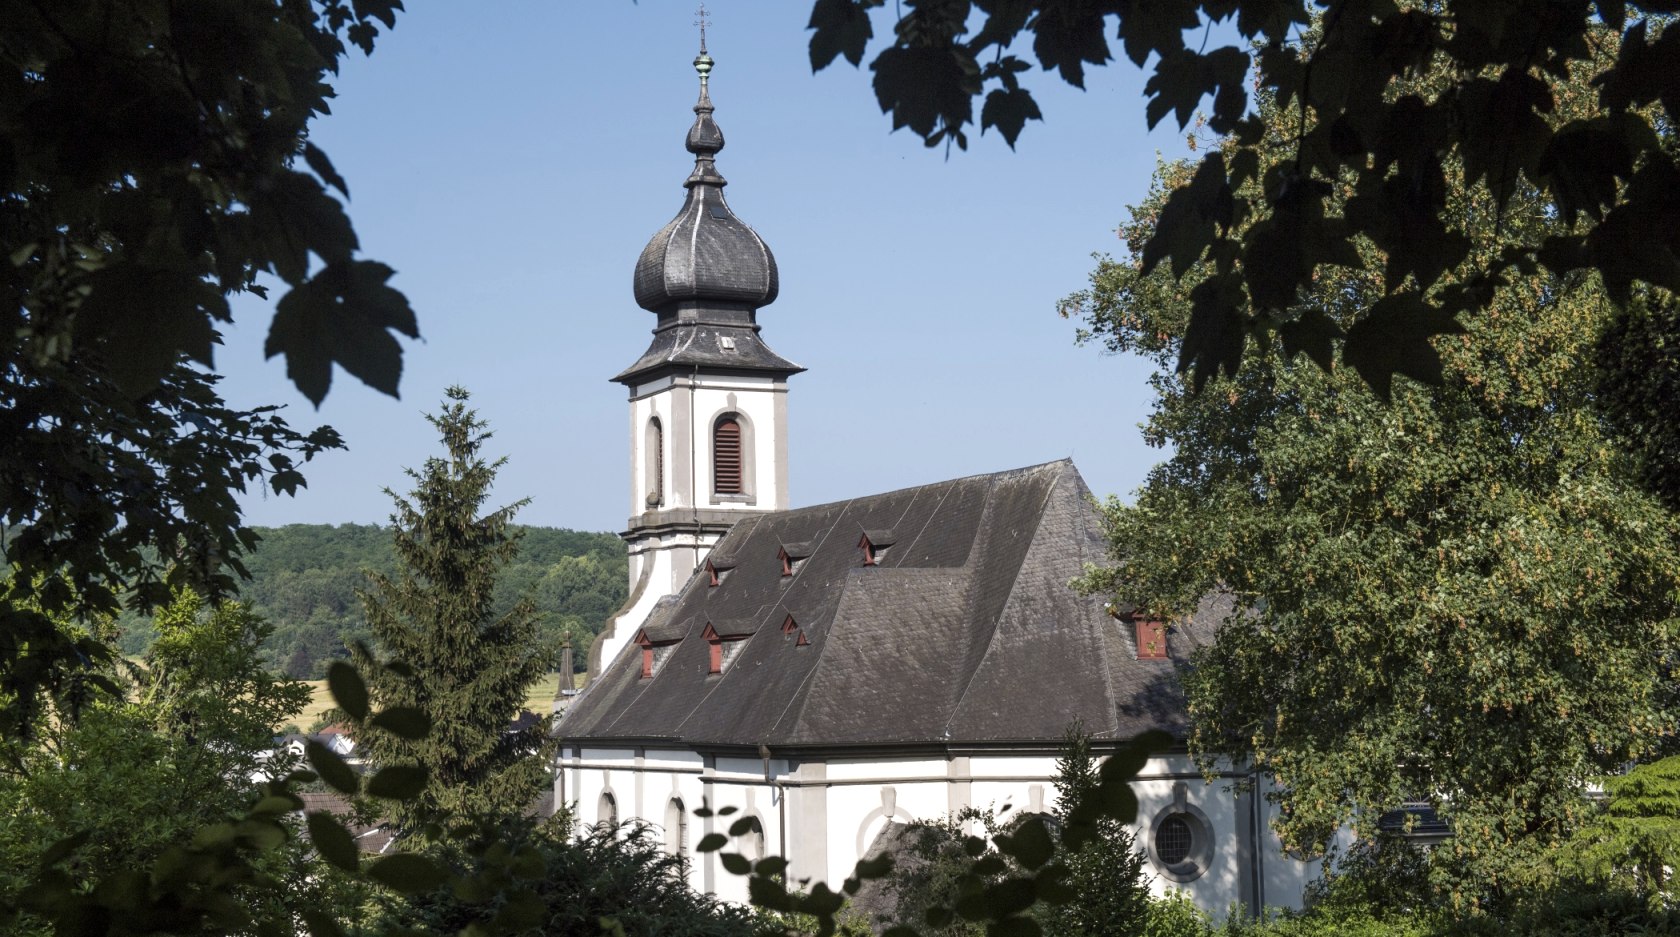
[531, 877]
[1175, 916]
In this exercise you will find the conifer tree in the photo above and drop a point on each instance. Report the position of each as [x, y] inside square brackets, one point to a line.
[460, 663]
[1106, 871]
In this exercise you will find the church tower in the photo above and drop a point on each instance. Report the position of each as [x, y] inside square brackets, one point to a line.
[708, 399]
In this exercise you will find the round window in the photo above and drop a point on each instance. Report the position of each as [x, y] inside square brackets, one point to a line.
[1173, 839]
[1181, 841]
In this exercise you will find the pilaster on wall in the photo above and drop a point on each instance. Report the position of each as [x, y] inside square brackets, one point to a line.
[708, 870]
[807, 812]
[960, 792]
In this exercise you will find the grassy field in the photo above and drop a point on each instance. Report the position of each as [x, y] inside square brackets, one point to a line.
[538, 699]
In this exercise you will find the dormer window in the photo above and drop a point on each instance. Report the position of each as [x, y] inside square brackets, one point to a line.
[791, 629]
[654, 653]
[789, 626]
[724, 643]
[724, 640]
[717, 570]
[1151, 636]
[874, 544]
[792, 556]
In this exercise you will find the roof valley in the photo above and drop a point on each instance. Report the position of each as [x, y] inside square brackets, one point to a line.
[972, 668]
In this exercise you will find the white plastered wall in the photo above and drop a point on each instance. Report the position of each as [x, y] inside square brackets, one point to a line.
[1247, 867]
[687, 407]
[644, 781]
[756, 399]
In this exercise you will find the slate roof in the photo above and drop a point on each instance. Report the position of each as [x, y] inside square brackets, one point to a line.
[705, 252]
[681, 345]
[706, 273]
[965, 632]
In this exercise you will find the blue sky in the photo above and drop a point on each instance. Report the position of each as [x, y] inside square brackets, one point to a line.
[510, 159]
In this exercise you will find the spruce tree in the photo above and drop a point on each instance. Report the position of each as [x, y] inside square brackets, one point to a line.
[463, 665]
[1106, 871]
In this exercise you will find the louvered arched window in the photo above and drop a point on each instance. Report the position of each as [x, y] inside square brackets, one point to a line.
[726, 456]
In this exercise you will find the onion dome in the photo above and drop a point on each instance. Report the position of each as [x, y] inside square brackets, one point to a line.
[705, 255]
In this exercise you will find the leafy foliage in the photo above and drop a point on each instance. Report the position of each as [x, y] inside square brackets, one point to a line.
[462, 664]
[524, 877]
[1176, 916]
[203, 679]
[1461, 596]
[937, 869]
[97, 488]
[304, 579]
[1634, 842]
[1366, 155]
[148, 170]
[1639, 363]
[133, 778]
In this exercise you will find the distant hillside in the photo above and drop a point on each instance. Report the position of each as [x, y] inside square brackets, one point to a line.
[305, 577]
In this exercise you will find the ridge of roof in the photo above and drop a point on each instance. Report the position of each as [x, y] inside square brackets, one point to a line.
[1062, 463]
[985, 647]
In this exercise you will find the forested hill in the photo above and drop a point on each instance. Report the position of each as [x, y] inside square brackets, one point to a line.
[304, 579]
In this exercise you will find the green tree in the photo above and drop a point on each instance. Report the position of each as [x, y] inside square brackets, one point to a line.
[1461, 596]
[151, 164]
[545, 880]
[1362, 161]
[124, 780]
[462, 664]
[1105, 871]
[204, 679]
[937, 869]
[1639, 363]
[1634, 840]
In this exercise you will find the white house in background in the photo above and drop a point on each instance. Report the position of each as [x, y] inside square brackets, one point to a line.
[288, 752]
[834, 669]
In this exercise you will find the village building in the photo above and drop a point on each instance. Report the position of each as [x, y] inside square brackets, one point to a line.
[836, 670]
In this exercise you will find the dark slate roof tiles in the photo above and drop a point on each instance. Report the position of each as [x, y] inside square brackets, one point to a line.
[700, 345]
[705, 252]
[967, 631]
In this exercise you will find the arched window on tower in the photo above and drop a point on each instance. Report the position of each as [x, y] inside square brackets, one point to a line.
[653, 452]
[726, 456]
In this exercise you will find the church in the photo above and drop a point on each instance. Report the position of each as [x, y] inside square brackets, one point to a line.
[839, 669]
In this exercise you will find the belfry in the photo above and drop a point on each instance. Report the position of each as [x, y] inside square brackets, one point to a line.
[708, 399]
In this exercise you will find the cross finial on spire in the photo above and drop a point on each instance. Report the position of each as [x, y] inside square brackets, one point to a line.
[703, 62]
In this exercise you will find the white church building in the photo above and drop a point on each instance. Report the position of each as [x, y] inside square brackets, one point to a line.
[834, 669]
